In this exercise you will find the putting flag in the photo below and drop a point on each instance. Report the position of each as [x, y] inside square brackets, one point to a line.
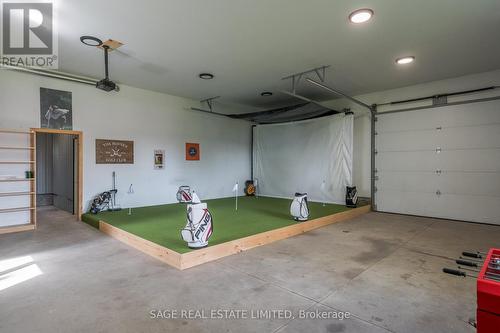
[323, 186]
[235, 187]
[195, 198]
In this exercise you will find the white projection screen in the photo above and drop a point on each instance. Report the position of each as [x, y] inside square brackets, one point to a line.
[313, 156]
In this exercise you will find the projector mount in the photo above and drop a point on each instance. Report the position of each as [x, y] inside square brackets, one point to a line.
[105, 84]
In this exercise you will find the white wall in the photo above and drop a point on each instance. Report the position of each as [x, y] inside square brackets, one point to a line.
[159, 121]
[153, 121]
[361, 159]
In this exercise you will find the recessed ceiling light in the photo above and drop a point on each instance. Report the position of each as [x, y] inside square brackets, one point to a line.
[91, 41]
[206, 76]
[361, 15]
[266, 93]
[405, 60]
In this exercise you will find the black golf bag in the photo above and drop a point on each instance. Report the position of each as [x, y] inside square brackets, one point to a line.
[351, 196]
[101, 202]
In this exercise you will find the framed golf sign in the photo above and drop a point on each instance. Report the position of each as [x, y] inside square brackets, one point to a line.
[114, 151]
[192, 151]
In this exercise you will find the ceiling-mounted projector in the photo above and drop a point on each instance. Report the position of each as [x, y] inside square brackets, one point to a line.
[105, 84]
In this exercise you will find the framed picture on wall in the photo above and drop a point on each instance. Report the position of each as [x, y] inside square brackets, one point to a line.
[56, 110]
[192, 151]
[159, 158]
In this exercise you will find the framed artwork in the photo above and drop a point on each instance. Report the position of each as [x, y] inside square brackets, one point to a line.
[56, 109]
[114, 152]
[159, 158]
[192, 151]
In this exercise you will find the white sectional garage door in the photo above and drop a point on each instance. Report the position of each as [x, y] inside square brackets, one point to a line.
[441, 162]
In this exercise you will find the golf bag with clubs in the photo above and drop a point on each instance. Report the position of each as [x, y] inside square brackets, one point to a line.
[299, 208]
[351, 196]
[101, 202]
[199, 226]
[184, 194]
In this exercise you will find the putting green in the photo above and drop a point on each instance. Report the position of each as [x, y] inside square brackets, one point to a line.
[162, 224]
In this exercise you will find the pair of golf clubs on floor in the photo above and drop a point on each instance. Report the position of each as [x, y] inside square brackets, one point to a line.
[473, 261]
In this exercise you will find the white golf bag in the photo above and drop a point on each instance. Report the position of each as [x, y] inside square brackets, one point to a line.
[299, 209]
[184, 194]
[199, 227]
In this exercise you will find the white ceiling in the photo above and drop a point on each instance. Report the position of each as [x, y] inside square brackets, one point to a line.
[250, 45]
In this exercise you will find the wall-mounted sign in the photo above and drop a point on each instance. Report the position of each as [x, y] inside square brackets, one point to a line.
[114, 152]
[192, 151]
[159, 159]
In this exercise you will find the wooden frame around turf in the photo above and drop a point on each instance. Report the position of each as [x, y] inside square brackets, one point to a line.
[197, 257]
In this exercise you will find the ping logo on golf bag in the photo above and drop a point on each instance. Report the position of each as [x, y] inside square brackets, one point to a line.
[206, 220]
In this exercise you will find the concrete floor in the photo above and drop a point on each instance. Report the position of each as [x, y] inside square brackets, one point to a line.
[384, 269]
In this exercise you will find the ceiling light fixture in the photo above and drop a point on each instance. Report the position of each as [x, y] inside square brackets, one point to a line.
[361, 15]
[206, 76]
[91, 41]
[405, 60]
[266, 93]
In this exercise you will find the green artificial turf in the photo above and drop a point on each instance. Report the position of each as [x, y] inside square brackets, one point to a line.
[162, 224]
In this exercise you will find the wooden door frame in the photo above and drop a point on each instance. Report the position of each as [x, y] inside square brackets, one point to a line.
[79, 135]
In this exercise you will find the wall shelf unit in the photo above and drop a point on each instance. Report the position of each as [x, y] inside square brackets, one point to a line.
[12, 180]
[15, 194]
[16, 148]
[24, 187]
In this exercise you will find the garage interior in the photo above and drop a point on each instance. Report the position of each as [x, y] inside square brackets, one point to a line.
[171, 198]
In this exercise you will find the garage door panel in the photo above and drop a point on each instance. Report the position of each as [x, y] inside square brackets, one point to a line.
[412, 203]
[475, 184]
[469, 137]
[424, 182]
[442, 162]
[409, 121]
[410, 161]
[479, 184]
[406, 141]
[485, 160]
[467, 160]
[449, 116]
[461, 115]
[467, 208]
[475, 137]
